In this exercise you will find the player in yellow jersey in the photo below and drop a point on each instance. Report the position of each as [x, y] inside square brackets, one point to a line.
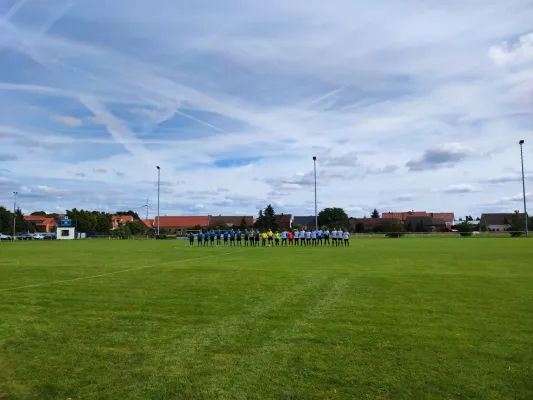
[264, 238]
[276, 238]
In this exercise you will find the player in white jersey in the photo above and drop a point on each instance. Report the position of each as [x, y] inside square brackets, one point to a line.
[326, 237]
[313, 237]
[334, 237]
[284, 238]
[296, 237]
[346, 238]
[302, 238]
[308, 238]
[339, 237]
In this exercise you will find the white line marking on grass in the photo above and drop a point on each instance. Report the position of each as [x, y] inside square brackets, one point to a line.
[111, 273]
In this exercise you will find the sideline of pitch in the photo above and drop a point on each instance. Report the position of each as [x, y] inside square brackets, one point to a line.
[113, 273]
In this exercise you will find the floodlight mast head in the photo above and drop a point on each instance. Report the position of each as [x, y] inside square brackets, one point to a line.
[521, 142]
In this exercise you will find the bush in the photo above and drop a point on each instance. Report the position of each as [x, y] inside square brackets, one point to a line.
[465, 229]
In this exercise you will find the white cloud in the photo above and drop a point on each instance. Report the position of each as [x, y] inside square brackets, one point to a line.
[518, 53]
[460, 189]
[67, 120]
[365, 96]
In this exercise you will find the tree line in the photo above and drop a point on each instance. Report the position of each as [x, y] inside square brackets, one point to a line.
[86, 221]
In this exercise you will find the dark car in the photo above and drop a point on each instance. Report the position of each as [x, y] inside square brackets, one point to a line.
[25, 236]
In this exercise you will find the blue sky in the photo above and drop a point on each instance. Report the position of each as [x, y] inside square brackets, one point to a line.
[407, 105]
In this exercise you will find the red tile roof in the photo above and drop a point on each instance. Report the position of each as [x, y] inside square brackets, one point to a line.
[120, 219]
[181, 222]
[147, 223]
[402, 216]
[40, 220]
[284, 220]
[233, 220]
[447, 217]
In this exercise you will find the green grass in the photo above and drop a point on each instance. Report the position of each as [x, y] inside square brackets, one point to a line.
[385, 319]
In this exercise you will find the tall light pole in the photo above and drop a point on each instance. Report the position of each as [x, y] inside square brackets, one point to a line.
[316, 210]
[14, 214]
[521, 143]
[158, 186]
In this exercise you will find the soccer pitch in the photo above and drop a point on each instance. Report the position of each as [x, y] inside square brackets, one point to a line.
[382, 319]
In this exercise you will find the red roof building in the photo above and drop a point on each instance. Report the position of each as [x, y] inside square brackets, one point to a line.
[174, 224]
[402, 216]
[120, 219]
[148, 223]
[43, 224]
[449, 218]
[230, 221]
[284, 221]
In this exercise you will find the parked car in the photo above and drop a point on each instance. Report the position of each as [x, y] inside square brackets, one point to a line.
[38, 236]
[5, 237]
[25, 236]
[49, 236]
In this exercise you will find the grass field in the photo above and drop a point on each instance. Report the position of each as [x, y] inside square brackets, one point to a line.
[383, 319]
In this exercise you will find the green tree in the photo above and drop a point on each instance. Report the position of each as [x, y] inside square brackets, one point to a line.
[359, 228]
[517, 227]
[269, 217]
[394, 228]
[136, 228]
[260, 221]
[6, 221]
[465, 228]
[41, 213]
[243, 225]
[297, 227]
[129, 212]
[375, 214]
[333, 218]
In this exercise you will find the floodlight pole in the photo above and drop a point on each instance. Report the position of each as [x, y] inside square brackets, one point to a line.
[14, 214]
[158, 187]
[521, 143]
[316, 210]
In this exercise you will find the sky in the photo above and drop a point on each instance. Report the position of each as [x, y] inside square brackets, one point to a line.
[412, 105]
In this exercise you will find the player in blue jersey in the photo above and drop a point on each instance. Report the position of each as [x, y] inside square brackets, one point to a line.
[257, 234]
[200, 236]
[232, 238]
[212, 238]
[246, 237]
[226, 236]
[191, 239]
[219, 235]
[239, 238]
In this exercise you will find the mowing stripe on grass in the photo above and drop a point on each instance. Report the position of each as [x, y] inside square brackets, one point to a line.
[113, 273]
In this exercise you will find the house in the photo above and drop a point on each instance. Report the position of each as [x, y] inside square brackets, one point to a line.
[116, 220]
[449, 218]
[402, 216]
[148, 223]
[180, 225]
[284, 221]
[230, 221]
[497, 222]
[306, 222]
[361, 225]
[425, 224]
[43, 224]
